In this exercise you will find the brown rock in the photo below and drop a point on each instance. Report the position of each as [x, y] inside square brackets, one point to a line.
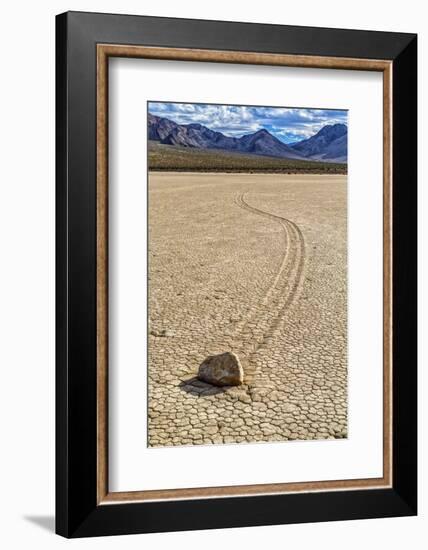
[222, 370]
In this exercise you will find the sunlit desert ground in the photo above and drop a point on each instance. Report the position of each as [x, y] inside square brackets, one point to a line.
[254, 264]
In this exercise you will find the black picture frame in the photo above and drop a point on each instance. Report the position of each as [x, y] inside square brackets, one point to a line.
[77, 512]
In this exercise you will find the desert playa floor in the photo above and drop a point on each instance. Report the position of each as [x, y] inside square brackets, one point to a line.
[255, 264]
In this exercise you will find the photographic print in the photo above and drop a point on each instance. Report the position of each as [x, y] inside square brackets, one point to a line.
[247, 274]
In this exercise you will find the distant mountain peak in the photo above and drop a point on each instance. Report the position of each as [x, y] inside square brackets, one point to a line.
[329, 143]
[335, 125]
[332, 130]
[262, 132]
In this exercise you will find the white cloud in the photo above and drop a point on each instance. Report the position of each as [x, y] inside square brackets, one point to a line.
[287, 124]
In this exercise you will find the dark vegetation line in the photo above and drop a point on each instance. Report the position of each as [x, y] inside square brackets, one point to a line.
[186, 159]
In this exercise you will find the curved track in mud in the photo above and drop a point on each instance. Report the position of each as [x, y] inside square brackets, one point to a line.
[267, 316]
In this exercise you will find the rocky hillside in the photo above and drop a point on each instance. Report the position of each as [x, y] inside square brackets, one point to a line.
[329, 144]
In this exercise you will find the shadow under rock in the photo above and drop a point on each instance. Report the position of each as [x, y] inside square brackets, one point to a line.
[196, 387]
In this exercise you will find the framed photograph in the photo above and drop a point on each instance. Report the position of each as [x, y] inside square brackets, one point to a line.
[236, 274]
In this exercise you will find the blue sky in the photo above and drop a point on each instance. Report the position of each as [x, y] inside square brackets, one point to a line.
[287, 124]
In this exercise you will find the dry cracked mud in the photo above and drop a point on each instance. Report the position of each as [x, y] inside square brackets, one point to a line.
[254, 264]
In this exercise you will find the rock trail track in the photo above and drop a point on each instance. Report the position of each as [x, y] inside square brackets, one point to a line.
[279, 296]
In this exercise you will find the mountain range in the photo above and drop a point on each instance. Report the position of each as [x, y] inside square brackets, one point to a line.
[327, 145]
